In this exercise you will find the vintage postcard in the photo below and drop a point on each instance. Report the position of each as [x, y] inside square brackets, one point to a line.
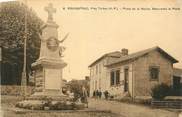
[91, 58]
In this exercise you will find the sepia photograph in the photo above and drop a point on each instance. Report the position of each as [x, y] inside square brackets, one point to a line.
[91, 58]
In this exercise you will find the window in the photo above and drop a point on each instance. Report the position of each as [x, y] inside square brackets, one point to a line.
[91, 72]
[100, 68]
[154, 72]
[99, 83]
[115, 77]
[96, 69]
[104, 62]
[112, 78]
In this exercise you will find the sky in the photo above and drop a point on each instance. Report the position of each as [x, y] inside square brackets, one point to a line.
[93, 33]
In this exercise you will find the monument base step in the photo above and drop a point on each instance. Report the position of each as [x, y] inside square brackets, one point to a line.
[43, 96]
[50, 105]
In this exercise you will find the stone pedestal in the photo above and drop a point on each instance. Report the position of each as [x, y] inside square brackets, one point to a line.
[48, 78]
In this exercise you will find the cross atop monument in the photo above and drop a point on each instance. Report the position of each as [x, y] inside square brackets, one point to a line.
[50, 10]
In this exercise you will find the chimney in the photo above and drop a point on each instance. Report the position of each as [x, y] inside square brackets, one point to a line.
[124, 52]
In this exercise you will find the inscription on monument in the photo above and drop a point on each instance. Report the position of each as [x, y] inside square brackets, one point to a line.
[52, 79]
[52, 44]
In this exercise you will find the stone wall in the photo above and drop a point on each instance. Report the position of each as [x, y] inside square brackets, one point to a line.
[142, 82]
[14, 90]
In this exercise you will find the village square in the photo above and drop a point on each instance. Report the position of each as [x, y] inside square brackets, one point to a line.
[39, 62]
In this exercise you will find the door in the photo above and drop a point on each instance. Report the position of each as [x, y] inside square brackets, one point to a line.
[176, 82]
[126, 75]
[176, 86]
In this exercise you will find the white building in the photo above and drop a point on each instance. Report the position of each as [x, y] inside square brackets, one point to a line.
[98, 71]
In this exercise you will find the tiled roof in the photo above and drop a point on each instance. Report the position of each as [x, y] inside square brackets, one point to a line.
[111, 54]
[141, 53]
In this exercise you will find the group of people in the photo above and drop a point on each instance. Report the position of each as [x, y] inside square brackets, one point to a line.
[81, 97]
[98, 94]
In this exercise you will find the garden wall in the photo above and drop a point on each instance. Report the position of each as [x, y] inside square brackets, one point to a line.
[14, 89]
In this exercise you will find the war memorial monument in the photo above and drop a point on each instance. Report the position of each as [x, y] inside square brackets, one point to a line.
[48, 71]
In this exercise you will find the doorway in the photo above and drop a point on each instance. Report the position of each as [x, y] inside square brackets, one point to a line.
[126, 76]
[176, 82]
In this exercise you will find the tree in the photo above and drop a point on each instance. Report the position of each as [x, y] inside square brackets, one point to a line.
[12, 32]
[159, 92]
[76, 87]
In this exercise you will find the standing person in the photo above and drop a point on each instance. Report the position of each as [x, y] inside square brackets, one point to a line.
[94, 94]
[84, 96]
[100, 94]
[97, 93]
[106, 93]
[88, 94]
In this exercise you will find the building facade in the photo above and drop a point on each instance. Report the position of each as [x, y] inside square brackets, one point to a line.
[98, 72]
[132, 74]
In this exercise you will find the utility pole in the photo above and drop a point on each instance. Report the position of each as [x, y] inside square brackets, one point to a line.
[1, 56]
[24, 77]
